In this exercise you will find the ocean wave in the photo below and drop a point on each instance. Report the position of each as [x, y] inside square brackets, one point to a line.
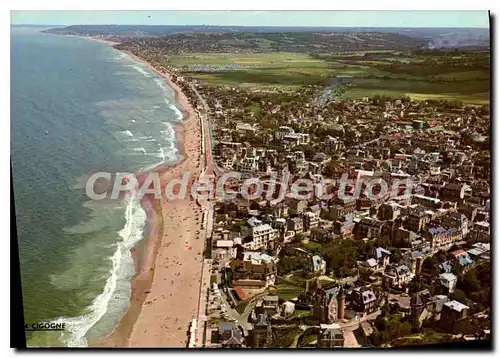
[78, 327]
[160, 83]
[140, 149]
[178, 113]
[141, 70]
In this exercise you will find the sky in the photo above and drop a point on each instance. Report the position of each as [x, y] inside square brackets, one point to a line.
[403, 18]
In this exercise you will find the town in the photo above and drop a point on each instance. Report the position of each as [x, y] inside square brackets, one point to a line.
[349, 272]
[354, 270]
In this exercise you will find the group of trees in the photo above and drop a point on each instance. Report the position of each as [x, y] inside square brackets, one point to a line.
[389, 327]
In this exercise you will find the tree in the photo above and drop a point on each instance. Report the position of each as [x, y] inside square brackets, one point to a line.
[403, 329]
[470, 283]
[459, 295]
[429, 263]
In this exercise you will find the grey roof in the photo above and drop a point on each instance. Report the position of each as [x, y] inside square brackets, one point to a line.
[371, 262]
[230, 333]
[464, 259]
[332, 292]
[262, 320]
[380, 251]
[445, 266]
[368, 296]
[456, 306]
[317, 261]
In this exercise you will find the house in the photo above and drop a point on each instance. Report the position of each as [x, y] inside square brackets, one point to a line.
[328, 305]
[441, 238]
[254, 270]
[428, 202]
[369, 228]
[382, 256]
[229, 335]
[458, 221]
[311, 220]
[404, 237]
[396, 276]
[295, 205]
[288, 308]
[295, 224]
[463, 259]
[368, 267]
[330, 336]
[454, 191]
[344, 228]
[479, 251]
[268, 305]
[480, 232]
[258, 235]
[452, 313]
[389, 211]
[364, 299]
[449, 281]
[261, 334]
[317, 266]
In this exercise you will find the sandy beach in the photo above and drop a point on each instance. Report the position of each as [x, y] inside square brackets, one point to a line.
[166, 287]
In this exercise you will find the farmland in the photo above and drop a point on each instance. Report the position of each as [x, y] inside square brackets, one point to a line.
[254, 70]
[421, 75]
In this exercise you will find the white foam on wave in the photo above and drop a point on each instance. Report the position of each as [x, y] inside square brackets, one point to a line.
[77, 327]
[140, 149]
[161, 84]
[178, 113]
[160, 154]
[128, 133]
[141, 70]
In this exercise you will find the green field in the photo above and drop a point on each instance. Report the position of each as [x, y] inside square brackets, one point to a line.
[255, 70]
[288, 292]
[463, 76]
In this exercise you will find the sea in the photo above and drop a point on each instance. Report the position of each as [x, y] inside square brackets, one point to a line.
[79, 107]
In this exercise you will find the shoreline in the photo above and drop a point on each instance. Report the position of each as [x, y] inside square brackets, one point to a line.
[159, 229]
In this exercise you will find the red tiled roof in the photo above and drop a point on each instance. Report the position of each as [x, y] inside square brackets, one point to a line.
[458, 252]
[240, 293]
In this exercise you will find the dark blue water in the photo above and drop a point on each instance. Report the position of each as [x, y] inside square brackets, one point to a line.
[78, 107]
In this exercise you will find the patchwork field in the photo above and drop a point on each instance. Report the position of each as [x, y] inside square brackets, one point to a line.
[254, 70]
[463, 76]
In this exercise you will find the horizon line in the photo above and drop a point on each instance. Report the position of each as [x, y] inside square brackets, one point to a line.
[285, 26]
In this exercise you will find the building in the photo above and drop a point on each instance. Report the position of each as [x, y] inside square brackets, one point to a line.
[429, 202]
[480, 232]
[389, 211]
[295, 224]
[458, 221]
[317, 266]
[369, 228]
[229, 335]
[311, 220]
[268, 305]
[441, 238]
[330, 336]
[258, 235]
[448, 281]
[463, 258]
[396, 276]
[254, 270]
[452, 313]
[328, 304]
[365, 300]
[454, 191]
[248, 164]
[416, 220]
